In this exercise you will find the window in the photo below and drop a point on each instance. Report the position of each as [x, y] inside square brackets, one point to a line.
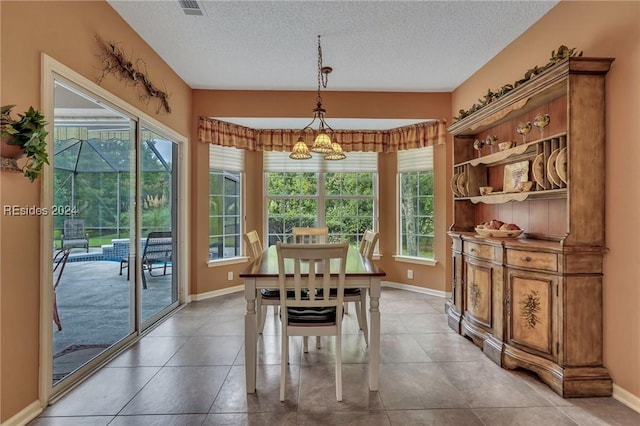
[341, 195]
[225, 201]
[415, 168]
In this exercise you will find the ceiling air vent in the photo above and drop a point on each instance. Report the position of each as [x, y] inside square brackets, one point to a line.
[190, 7]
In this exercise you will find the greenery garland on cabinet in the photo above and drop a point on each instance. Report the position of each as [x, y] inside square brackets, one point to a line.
[562, 53]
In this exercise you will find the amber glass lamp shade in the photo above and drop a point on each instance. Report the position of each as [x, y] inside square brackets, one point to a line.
[336, 153]
[322, 144]
[300, 150]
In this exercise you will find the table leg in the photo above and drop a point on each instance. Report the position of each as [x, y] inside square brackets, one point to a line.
[250, 334]
[374, 333]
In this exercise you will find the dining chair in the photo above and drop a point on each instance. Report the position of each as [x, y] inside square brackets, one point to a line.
[359, 295]
[304, 235]
[267, 297]
[311, 312]
[310, 235]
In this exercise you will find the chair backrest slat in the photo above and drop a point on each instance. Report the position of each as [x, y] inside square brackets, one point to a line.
[315, 266]
[158, 246]
[254, 246]
[368, 244]
[303, 235]
[74, 229]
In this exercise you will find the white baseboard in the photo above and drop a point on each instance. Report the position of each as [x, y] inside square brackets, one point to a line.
[627, 398]
[23, 417]
[416, 289]
[217, 293]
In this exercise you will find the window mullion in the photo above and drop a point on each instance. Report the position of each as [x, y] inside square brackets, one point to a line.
[321, 212]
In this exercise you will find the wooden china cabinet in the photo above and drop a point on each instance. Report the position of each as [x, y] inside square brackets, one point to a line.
[535, 301]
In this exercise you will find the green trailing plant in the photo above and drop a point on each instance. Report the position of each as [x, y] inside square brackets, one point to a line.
[562, 53]
[29, 133]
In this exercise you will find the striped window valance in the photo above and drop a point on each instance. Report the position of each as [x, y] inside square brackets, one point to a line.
[419, 135]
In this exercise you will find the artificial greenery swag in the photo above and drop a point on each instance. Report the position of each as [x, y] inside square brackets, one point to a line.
[115, 62]
[562, 53]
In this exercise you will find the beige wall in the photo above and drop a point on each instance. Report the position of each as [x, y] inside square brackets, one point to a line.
[605, 29]
[222, 104]
[65, 31]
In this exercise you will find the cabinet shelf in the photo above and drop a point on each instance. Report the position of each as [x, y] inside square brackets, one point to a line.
[500, 198]
[510, 155]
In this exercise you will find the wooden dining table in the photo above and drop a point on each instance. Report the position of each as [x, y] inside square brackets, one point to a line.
[263, 273]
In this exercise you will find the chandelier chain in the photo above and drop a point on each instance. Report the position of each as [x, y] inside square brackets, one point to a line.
[323, 77]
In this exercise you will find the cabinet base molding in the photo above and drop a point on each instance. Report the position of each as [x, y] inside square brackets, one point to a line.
[493, 349]
[568, 382]
[453, 317]
[477, 334]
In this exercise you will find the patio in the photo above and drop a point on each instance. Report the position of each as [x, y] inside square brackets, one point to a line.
[94, 307]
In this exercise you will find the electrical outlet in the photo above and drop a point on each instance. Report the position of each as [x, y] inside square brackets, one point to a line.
[230, 275]
[410, 274]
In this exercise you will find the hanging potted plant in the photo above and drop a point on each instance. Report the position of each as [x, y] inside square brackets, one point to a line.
[24, 137]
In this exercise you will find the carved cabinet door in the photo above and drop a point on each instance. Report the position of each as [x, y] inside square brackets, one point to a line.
[478, 291]
[531, 305]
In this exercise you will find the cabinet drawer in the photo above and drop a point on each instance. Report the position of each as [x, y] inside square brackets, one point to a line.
[479, 250]
[533, 259]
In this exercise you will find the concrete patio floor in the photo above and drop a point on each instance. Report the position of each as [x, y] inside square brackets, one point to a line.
[94, 308]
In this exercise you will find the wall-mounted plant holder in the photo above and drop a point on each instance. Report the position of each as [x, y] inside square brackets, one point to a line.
[28, 137]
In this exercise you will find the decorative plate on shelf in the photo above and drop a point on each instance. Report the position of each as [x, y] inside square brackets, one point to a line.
[537, 168]
[461, 184]
[454, 187]
[497, 233]
[514, 174]
[561, 165]
[552, 174]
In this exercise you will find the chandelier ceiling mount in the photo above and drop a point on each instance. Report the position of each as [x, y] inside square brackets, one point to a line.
[323, 143]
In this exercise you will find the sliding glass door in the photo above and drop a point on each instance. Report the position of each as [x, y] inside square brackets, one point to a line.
[158, 190]
[115, 230]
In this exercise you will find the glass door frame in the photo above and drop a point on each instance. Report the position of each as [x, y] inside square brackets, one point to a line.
[53, 70]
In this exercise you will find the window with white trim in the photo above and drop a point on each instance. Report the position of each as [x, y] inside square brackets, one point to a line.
[225, 202]
[416, 209]
[341, 195]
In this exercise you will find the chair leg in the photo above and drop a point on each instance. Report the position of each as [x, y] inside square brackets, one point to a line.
[317, 342]
[305, 344]
[362, 315]
[144, 279]
[262, 318]
[284, 355]
[56, 317]
[339, 367]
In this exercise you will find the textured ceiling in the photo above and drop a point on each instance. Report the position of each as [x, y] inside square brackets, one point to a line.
[417, 46]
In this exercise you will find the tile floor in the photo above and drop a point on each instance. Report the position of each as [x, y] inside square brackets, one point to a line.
[189, 371]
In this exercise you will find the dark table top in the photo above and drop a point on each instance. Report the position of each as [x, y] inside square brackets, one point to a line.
[267, 265]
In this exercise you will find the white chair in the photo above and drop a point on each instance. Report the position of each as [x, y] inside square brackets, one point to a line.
[309, 312]
[307, 235]
[266, 297]
[359, 295]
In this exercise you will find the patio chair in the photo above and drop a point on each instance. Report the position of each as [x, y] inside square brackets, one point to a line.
[312, 312]
[74, 235]
[157, 254]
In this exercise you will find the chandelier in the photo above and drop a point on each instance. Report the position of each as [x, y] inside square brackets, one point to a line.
[322, 144]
